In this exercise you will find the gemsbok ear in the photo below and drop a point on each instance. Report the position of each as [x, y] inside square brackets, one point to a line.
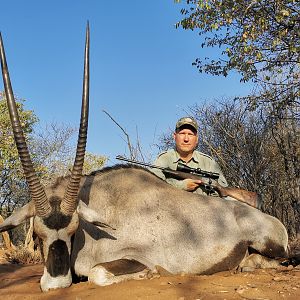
[91, 216]
[18, 217]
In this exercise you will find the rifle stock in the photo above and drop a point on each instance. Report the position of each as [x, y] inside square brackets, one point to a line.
[248, 197]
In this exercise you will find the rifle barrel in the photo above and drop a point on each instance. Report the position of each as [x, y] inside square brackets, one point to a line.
[180, 172]
[120, 157]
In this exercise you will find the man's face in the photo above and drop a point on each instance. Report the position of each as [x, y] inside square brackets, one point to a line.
[186, 141]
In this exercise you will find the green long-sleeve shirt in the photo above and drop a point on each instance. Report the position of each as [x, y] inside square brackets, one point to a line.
[170, 159]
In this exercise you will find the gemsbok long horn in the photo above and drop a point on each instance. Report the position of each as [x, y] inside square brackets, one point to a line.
[70, 201]
[37, 192]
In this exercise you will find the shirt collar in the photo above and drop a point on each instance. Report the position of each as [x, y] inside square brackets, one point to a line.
[177, 157]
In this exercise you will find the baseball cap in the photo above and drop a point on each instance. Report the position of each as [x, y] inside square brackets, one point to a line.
[186, 121]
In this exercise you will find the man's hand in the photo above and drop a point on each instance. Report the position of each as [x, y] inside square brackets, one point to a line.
[192, 184]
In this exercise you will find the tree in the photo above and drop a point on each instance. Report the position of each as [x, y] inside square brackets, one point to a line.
[11, 179]
[284, 154]
[255, 151]
[93, 162]
[52, 152]
[260, 39]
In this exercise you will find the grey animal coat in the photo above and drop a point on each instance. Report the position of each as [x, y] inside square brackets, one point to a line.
[157, 224]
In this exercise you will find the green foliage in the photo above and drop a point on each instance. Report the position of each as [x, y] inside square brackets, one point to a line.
[93, 162]
[8, 151]
[12, 181]
[260, 39]
[256, 35]
[51, 151]
[52, 154]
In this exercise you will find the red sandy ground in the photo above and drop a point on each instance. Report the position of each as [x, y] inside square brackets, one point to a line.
[22, 282]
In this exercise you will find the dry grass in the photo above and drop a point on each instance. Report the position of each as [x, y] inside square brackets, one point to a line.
[3, 256]
[22, 255]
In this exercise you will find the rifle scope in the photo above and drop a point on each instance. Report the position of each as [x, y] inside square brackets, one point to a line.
[197, 171]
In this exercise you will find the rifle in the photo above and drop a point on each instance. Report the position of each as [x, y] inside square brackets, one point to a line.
[186, 172]
[182, 171]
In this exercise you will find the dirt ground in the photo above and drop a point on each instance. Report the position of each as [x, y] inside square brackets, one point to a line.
[22, 282]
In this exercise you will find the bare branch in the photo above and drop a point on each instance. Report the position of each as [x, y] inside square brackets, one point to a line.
[125, 133]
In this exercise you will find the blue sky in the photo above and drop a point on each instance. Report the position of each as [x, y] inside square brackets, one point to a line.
[141, 67]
